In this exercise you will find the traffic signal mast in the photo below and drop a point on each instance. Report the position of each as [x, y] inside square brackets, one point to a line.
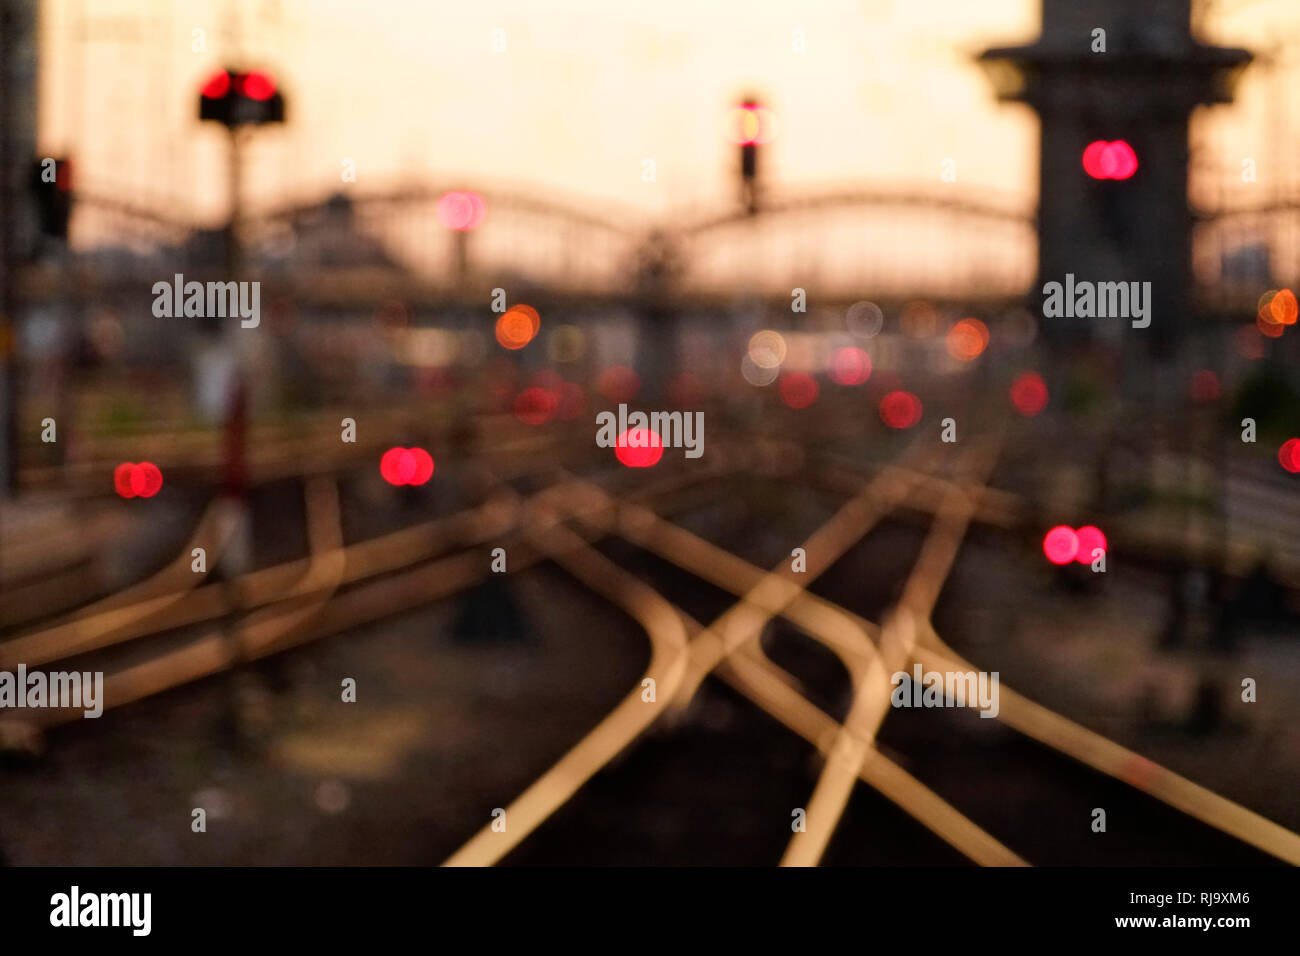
[52, 187]
[752, 126]
[1114, 83]
[235, 98]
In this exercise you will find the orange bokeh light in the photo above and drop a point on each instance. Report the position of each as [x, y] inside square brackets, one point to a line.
[517, 326]
[1283, 308]
[968, 339]
[1267, 326]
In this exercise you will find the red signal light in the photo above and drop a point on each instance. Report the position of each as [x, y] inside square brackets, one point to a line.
[63, 175]
[850, 366]
[535, 405]
[1061, 544]
[639, 448]
[142, 480]
[461, 210]
[1029, 394]
[406, 466]
[1289, 455]
[899, 409]
[798, 389]
[217, 86]
[1089, 539]
[1109, 160]
[256, 86]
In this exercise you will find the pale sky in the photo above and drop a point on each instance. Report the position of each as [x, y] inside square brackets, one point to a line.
[585, 90]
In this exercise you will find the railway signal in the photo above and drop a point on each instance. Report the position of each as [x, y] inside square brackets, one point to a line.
[131, 480]
[235, 98]
[406, 466]
[52, 187]
[1110, 160]
[751, 126]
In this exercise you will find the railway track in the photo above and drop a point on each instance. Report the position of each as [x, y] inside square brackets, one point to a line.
[610, 534]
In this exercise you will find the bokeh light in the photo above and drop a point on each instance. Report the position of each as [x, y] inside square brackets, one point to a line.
[767, 349]
[406, 466]
[639, 448]
[131, 480]
[257, 86]
[618, 383]
[535, 405]
[1110, 160]
[517, 326]
[1289, 455]
[1268, 327]
[798, 389]
[1266, 320]
[1249, 343]
[686, 389]
[1061, 544]
[850, 366]
[1088, 539]
[1029, 394]
[461, 210]
[864, 319]
[570, 401]
[1283, 308]
[919, 320]
[967, 339]
[1204, 386]
[756, 374]
[566, 343]
[217, 86]
[751, 124]
[900, 409]
[1018, 329]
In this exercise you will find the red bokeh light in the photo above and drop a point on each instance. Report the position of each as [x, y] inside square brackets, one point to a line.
[1088, 539]
[850, 366]
[639, 448]
[618, 383]
[1249, 342]
[1061, 544]
[1029, 394]
[406, 466]
[548, 379]
[217, 86]
[142, 480]
[1110, 160]
[686, 389]
[1204, 386]
[534, 406]
[570, 401]
[1289, 455]
[257, 86]
[461, 210]
[900, 409]
[423, 466]
[798, 389]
